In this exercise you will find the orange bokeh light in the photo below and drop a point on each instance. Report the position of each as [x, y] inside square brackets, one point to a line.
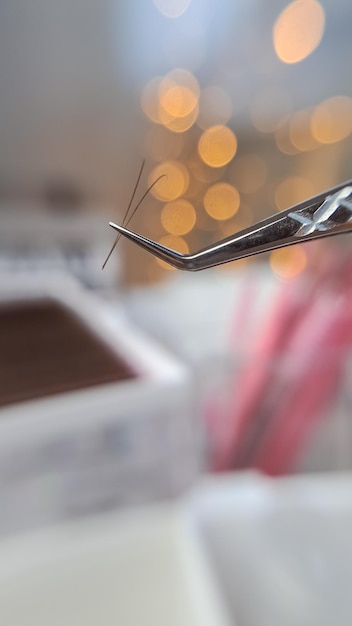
[177, 100]
[298, 30]
[288, 262]
[182, 123]
[178, 97]
[332, 120]
[221, 201]
[173, 184]
[173, 100]
[300, 134]
[283, 139]
[178, 217]
[217, 145]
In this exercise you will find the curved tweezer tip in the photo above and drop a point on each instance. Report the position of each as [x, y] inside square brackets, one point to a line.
[326, 214]
[172, 257]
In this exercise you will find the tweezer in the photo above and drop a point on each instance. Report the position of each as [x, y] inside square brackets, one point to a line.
[329, 213]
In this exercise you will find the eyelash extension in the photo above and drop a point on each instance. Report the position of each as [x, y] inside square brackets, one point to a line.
[126, 214]
[127, 221]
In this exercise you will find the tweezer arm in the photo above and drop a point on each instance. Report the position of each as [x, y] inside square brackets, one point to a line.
[329, 213]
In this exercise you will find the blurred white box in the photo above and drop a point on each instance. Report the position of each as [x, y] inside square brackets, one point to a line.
[141, 568]
[281, 548]
[36, 239]
[97, 448]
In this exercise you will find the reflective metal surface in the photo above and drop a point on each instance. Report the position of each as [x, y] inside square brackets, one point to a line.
[329, 213]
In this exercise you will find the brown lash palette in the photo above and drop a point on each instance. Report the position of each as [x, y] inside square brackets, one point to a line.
[46, 349]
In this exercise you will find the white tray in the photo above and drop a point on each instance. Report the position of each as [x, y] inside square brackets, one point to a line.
[133, 569]
[114, 444]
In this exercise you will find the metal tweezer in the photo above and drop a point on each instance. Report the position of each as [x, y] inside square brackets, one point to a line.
[329, 213]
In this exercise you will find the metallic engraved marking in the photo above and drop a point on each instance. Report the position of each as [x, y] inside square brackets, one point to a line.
[320, 220]
[306, 221]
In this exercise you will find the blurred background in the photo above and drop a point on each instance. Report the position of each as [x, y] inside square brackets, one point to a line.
[193, 430]
[88, 89]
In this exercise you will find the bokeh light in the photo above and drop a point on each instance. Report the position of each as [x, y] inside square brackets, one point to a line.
[183, 123]
[178, 217]
[288, 262]
[283, 139]
[298, 30]
[221, 201]
[173, 100]
[249, 173]
[300, 134]
[173, 184]
[217, 145]
[178, 93]
[292, 190]
[215, 107]
[174, 243]
[332, 120]
[178, 100]
[172, 8]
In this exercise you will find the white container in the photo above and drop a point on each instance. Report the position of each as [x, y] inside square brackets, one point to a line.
[281, 548]
[114, 444]
[141, 568]
[35, 239]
